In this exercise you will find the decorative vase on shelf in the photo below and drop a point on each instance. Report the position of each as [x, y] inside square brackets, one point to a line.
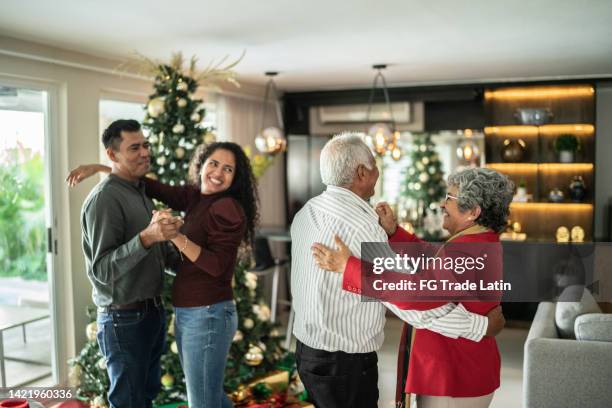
[566, 156]
[521, 195]
[577, 189]
[513, 150]
[556, 195]
[533, 116]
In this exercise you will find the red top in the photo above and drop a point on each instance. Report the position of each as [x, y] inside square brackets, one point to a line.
[217, 224]
[439, 365]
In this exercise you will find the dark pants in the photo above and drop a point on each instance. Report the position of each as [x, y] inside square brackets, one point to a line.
[132, 343]
[338, 379]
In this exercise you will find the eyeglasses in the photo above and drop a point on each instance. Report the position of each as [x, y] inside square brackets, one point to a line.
[450, 197]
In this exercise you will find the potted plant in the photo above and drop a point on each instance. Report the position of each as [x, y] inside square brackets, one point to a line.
[566, 145]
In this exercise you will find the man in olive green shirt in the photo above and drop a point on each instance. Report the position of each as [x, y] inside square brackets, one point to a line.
[125, 256]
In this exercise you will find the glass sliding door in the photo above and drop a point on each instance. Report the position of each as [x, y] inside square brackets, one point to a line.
[27, 244]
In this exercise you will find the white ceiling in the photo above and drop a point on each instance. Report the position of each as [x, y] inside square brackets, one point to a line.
[327, 44]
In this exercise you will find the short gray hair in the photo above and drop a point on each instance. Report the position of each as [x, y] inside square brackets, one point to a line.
[341, 156]
[487, 188]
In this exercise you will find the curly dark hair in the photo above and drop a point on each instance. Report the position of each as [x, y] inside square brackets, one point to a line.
[244, 185]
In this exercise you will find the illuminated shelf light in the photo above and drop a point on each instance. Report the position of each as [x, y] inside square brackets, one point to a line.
[577, 129]
[546, 207]
[569, 167]
[514, 167]
[511, 130]
[545, 167]
[541, 92]
[544, 130]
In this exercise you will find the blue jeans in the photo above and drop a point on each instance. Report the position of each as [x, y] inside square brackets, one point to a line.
[132, 343]
[204, 335]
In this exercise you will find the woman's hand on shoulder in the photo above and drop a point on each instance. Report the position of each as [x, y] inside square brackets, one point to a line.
[84, 171]
[333, 260]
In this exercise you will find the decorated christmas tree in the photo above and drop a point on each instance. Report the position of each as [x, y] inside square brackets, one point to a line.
[174, 123]
[423, 187]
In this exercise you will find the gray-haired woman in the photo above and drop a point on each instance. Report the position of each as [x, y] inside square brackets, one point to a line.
[443, 371]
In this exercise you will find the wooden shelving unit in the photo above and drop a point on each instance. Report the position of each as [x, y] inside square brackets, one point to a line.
[573, 109]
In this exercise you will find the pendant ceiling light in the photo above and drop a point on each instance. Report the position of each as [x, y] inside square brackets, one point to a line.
[271, 139]
[382, 137]
[468, 151]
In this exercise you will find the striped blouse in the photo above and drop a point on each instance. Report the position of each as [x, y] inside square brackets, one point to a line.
[328, 318]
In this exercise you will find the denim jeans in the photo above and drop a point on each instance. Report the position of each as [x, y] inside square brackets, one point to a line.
[132, 343]
[204, 335]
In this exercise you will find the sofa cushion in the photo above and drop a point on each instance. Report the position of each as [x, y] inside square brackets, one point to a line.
[569, 308]
[594, 327]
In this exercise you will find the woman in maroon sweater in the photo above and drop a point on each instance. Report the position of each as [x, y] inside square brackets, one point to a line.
[220, 205]
[443, 371]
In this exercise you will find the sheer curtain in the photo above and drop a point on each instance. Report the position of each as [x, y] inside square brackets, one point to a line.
[238, 121]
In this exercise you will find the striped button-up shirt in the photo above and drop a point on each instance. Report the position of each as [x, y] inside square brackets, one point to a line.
[328, 318]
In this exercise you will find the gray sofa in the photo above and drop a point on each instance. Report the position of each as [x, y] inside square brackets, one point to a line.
[564, 372]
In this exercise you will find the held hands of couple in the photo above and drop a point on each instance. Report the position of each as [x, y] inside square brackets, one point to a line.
[163, 227]
[386, 217]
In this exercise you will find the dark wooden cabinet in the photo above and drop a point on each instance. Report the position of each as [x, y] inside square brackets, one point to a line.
[571, 108]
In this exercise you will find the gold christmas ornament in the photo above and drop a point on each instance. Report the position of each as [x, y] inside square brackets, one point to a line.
[195, 116]
[248, 323]
[161, 160]
[92, 331]
[179, 152]
[156, 107]
[241, 394]
[181, 103]
[178, 128]
[423, 177]
[174, 347]
[182, 86]
[152, 176]
[254, 356]
[167, 381]
[209, 138]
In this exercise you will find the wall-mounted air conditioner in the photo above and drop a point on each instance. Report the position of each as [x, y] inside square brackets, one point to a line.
[326, 120]
[359, 113]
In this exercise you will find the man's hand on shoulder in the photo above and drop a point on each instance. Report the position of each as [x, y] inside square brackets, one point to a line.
[496, 321]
